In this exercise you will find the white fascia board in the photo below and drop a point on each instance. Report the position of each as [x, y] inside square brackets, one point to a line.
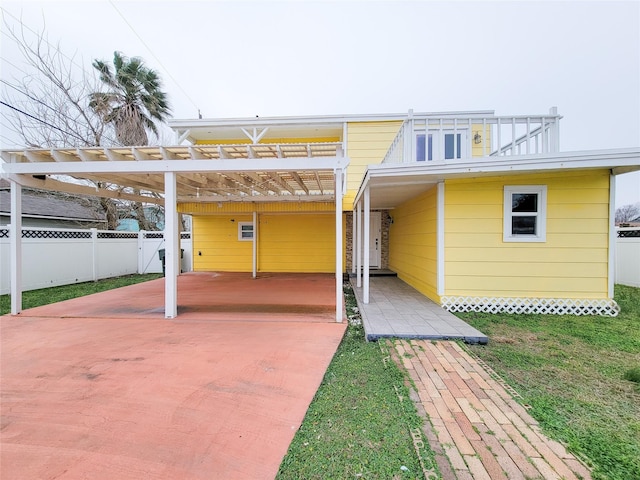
[629, 158]
[178, 166]
[313, 119]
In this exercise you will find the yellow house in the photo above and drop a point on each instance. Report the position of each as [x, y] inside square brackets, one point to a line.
[476, 211]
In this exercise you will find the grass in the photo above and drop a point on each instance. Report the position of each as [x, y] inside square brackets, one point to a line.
[45, 296]
[356, 426]
[578, 375]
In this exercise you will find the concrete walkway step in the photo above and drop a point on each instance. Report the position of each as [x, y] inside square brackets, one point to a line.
[397, 310]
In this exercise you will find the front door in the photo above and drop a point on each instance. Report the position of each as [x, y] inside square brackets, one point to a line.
[375, 239]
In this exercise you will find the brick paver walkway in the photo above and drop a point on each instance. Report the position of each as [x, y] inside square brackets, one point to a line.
[476, 428]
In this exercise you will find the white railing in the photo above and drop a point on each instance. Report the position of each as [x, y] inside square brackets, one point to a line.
[60, 256]
[478, 134]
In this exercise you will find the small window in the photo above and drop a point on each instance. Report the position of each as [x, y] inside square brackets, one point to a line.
[245, 231]
[525, 211]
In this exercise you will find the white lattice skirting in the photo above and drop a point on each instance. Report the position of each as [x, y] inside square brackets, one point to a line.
[549, 306]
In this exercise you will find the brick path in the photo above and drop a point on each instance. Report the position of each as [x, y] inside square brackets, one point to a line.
[478, 431]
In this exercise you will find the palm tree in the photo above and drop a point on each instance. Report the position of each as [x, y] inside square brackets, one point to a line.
[133, 100]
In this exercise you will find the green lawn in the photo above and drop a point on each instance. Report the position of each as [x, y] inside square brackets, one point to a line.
[572, 371]
[45, 296]
[356, 426]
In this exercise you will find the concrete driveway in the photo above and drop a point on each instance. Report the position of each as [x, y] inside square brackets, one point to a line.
[218, 392]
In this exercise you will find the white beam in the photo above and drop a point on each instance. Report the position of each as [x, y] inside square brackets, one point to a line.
[188, 166]
[172, 246]
[339, 292]
[15, 234]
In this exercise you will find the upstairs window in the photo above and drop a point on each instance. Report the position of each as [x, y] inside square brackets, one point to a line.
[437, 146]
[525, 213]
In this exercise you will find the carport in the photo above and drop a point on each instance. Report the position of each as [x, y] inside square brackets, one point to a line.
[247, 173]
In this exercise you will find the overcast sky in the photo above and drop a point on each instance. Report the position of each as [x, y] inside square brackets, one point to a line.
[241, 59]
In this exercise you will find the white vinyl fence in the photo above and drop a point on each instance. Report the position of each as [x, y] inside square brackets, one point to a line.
[628, 257]
[56, 256]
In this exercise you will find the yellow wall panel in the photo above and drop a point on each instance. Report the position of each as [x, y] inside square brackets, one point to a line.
[216, 246]
[296, 243]
[367, 144]
[412, 240]
[571, 263]
[286, 243]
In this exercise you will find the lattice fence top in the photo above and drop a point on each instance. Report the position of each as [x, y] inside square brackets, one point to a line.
[519, 305]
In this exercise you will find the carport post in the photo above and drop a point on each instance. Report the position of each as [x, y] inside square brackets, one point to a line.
[339, 292]
[365, 244]
[255, 244]
[359, 245]
[171, 236]
[16, 247]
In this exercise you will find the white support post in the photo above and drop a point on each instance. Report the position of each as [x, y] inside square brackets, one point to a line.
[353, 242]
[141, 234]
[367, 221]
[255, 244]
[94, 253]
[359, 245]
[555, 130]
[339, 292]
[440, 238]
[15, 237]
[499, 137]
[455, 138]
[612, 235]
[171, 243]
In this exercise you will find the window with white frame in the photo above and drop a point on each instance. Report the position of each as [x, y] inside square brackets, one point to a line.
[245, 231]
[443, 144]
[525, 213]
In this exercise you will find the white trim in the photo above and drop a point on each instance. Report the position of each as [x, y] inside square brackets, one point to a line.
[440, 239]
[359, 245]
[254, 247]
[15, 236]
[519, 305]
[353, 241]
[172, 245]
[627, 158]
[612, 236]
[339, 292]
[540, 215]
[365, 243]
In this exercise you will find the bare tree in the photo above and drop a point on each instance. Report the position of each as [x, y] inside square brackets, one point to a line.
[627, 213]
[49, 107]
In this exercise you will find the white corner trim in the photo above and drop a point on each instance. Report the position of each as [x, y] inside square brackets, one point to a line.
[440, 238]
[611, 272]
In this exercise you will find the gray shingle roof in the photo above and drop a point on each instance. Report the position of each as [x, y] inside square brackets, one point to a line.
[50, 206]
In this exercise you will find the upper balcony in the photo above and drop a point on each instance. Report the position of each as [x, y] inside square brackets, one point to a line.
[450, 137]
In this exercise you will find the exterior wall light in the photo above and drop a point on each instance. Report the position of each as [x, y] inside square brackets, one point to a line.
[477, 138]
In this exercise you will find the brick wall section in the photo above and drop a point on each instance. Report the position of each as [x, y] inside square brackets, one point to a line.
[384, 227]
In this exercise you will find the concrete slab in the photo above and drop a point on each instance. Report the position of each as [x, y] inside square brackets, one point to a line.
[216, 393]
[396, 310]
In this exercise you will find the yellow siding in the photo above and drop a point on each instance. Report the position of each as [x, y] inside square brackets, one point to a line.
[297, 243]
[477, 149]
[572, 263]
[412, 240]
[286, 243]
[250, 207]
[216, 246]
[367, 144]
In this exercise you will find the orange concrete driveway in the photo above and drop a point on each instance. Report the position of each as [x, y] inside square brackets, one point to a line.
[218, 392]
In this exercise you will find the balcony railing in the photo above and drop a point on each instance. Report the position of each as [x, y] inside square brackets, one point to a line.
[440, 137]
